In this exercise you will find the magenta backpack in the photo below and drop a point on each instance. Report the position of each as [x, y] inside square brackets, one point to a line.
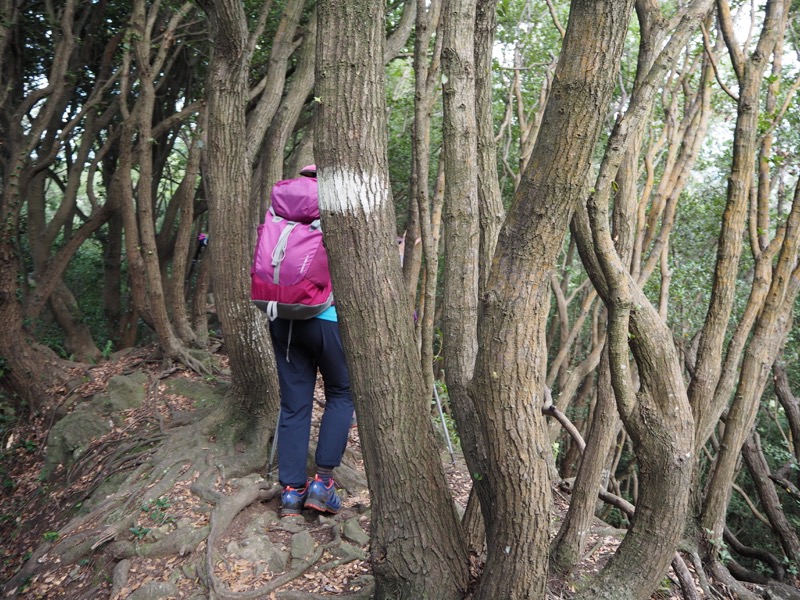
[289, 276]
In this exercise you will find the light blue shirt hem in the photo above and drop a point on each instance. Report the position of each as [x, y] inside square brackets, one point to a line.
[329, 314]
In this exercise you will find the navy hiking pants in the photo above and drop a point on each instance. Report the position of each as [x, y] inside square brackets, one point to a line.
[301, 348]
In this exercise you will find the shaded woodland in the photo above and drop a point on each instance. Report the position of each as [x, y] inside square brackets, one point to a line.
[598, 209]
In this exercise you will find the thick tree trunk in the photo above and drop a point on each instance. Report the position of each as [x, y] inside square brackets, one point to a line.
[27, 370]
[511, 366]
[227, 172]
[408, 490]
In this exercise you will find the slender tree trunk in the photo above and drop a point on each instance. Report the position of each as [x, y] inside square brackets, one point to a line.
[570, 543]
[706, 406]
[426, 72]
[789, 402]
[184, 198]
[760, 474]
[78, 341]
[462, 236]
[297, 90]
[768, 336]
[490, 200]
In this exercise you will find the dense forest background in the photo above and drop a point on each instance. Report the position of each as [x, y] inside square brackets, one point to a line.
[597, 208]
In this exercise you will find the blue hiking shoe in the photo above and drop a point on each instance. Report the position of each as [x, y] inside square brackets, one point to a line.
[323, 498]
[292, 500]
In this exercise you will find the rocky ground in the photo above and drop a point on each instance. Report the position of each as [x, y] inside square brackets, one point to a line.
[254, 553]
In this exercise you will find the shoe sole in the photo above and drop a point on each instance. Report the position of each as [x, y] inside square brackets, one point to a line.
[327, 509]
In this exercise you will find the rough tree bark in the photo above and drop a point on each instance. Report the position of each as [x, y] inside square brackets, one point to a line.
[227, 175]
[654, 29]
[28, 370]
[511, 363]
[417, 549]
[462, 236]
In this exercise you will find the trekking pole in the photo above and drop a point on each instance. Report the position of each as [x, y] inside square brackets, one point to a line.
[444, 425]
[274, 448]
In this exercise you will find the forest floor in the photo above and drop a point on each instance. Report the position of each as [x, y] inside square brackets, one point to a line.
[311, 556]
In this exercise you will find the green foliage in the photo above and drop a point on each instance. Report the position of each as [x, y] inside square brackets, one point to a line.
[28, 445]
[156, 511]
[139, 532]
[791, 567]
[51, 536]
[107, 349]
[720, 546]
[450, 424]
[400, 120]
[694, 241]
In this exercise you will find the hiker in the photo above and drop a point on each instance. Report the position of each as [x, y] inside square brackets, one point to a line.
[303, 346]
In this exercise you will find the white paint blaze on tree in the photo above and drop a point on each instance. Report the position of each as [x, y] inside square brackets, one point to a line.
[343, 191]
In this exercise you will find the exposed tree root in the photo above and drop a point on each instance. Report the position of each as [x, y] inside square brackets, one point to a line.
[226, 510]
[200, 458]
[183, 356]
[722, 575]
[363, 594]
[179, 542]
[684, 578]
[769, 559]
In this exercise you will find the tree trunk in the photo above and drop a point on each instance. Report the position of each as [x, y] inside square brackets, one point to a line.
[570, 543]
[768, 336]
[511, 365]
[407, 485]
[490, 200]
[422, 218]
[78, 341]
[760, 474]
[462, 238]
[227, 175]
[789, 402]
[27, 369]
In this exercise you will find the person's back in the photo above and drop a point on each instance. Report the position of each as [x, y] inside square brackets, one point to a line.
[302, 348]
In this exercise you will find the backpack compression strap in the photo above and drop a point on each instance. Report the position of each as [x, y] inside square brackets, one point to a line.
[279, 252]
